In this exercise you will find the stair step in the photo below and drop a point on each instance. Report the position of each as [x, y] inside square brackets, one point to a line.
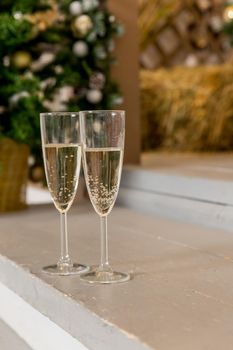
[195, 200]
[9, 340]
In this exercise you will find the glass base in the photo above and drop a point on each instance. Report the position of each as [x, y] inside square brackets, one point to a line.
[66, 270]
[98, 276]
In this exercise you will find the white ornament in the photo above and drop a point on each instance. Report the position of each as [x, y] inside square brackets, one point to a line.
[47, 58]
[14, 99]
[80, 49]
[60, 99]
[83, 24]
[100, 52]
[6, 61]
[49, 82]
[120, 30]
[112, 19]
[58, 69]
[66, 93]
[118, 101]
[94, 96]
[111, 46]
[97, 81]
[44, 59]
[18, 16]
[55, 105]
[89, 5]
[28, 75]
[75, 8]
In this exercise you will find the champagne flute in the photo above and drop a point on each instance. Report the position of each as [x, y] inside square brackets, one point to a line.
[60, 134]
[102, 134]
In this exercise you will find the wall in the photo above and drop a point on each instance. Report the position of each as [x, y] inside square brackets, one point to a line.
[126, 72]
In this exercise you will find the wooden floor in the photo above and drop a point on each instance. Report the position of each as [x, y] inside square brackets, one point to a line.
[217, 166]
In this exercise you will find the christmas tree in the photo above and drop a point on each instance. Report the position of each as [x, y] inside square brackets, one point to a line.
[54, 55]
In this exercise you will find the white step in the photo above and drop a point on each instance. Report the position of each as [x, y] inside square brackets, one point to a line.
[190, 199]
[180, 297]
[9, 340]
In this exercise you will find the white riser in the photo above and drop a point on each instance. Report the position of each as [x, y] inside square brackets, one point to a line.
[199, 201]
[215, 191]
[37, 330]
[9, 340]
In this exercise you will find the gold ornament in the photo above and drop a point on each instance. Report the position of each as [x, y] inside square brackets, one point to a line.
[21, 59]
[82, 25]
[44, 19]
[42, 25]
[228, 13]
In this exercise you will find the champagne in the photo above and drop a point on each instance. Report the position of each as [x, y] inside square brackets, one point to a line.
[102, 168]
[62, 165]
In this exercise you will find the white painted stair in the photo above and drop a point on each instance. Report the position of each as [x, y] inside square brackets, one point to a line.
[190, 199]
[9, 340]
[180, 296]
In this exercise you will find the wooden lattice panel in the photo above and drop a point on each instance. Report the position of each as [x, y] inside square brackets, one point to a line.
[182, 32]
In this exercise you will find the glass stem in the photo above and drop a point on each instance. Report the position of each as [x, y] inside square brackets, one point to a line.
[104, 265]
[64, 258]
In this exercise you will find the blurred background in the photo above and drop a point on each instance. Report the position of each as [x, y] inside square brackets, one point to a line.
[186, 74]
[167, 62]
[186, 86]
